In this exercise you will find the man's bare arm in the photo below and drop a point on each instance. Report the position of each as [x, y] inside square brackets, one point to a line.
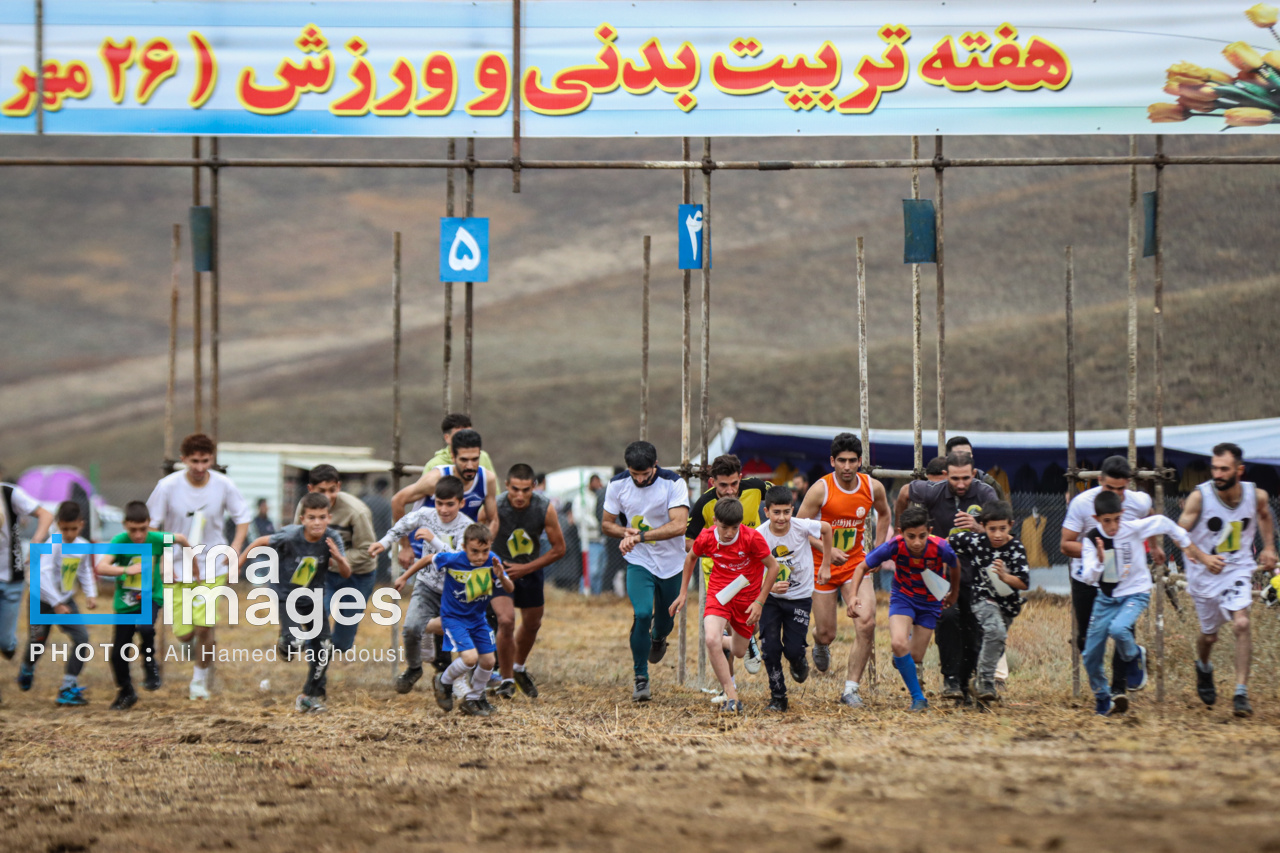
[901, 501]
[881, 501]
[1267, 530]
[557, 550]
[425, 487]
[811, 506]
[1190, 511]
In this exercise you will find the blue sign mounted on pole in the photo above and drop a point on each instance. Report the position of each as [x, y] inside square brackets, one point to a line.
[464, 248]
[689, 235]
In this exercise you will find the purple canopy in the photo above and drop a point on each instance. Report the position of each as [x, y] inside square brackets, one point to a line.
[54, 483]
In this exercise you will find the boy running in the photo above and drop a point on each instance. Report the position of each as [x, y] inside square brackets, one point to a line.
[917, 559]
[433, 529]
[742, 574]
[469, 577]
[58, 578]
[16, 506]
[784, 622]
[307, 552]
[1000, 570]
[127, 570]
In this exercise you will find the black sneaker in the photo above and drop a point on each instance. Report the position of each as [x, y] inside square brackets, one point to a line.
[732, 706]
[778, 704]
[485, 706]
[152, 681]
[9, 653]
[657, 650]
[526, 685]
[1205, 688]
[442, 659]
[473, 708]
[1119, 703]
[408, 678]
[1240, 706]
[800, 669]
[987, 691]
[641, 693]
[444, 693]
[951, 688]
[125, 700]
[821, 657]
[507, 689]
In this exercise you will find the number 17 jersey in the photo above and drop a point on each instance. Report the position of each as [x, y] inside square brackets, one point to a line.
[846, 512]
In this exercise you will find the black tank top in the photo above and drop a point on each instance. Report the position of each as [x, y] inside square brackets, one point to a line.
[520, 530]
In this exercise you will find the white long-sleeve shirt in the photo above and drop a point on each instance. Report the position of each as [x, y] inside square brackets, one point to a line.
[59, 574]
[1125, 563]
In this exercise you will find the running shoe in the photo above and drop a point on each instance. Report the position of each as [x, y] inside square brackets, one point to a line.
[125, 700]
[308, 705]
[408, 678]
[152, 681]
[198, 691]
[507, 690]
[753, 661]
[800, 669]
[71, 696]
[1240, 706]
[778, 704]
[26, 674]
[853, 699]
[657, 650]
[641, 693]
[1119, 703]
[987, 691]
[444, 693]
[1102, 706]
[484, 705]
[473, 708]
[732, 706]
[821, 657]
[1204, 686]
[951, 688]
[526, 685]
[719, 698]
[1136, 671]
[919, 706]
[9, 653]
[495, 681]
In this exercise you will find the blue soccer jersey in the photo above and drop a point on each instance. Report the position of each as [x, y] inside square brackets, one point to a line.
[908, 568]
[467, 588]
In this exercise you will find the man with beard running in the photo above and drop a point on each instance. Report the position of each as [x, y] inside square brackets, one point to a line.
[523, 515]
[1223, 517]
[479, 501]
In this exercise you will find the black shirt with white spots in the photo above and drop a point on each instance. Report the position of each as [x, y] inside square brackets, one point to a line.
[976, 548]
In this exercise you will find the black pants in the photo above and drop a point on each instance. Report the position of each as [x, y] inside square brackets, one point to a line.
[39, 635]
[123, 636]
[784, 625]
[1082, 596]
[959, 636]
[316, 650]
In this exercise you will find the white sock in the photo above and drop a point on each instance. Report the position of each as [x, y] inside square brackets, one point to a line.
[519, 667]
[199, 674]
[851, 687]
[479, 679]
[1204, 667]
[454, 672]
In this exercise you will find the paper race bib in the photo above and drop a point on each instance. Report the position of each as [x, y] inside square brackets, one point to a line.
[477, 584]
[70, 565]
[133, 581]
[305, 572]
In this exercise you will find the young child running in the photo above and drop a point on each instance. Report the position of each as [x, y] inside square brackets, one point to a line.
[469, 577]
[913, 606]
[784, 621]
[307, 553]
[431, 530]
[1116, 562]
[742, 574]
[127, 570]
[1000, 570]
[58, 578]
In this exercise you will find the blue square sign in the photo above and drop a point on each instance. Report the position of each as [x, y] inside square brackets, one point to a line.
[689, 235]
[464, 248]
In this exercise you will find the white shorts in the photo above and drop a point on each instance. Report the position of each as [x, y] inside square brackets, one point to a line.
[1215, 611]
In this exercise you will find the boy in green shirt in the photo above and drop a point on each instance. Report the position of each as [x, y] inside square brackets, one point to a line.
[127, 570]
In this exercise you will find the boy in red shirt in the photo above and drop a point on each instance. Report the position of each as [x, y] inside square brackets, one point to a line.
[743, 571]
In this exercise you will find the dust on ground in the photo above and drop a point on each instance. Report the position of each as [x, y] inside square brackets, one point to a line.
[582, 768]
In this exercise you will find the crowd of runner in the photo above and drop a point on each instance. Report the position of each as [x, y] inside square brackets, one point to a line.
[475, 551]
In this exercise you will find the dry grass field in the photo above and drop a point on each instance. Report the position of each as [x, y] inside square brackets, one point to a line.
[582, 768]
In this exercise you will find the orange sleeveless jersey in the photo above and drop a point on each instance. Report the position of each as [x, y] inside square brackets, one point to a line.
[847, 514]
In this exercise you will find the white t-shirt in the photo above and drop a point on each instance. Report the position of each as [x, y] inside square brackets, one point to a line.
[1080, 514]
[1127, 557]
[176, 506]
[59, 574]
[24, 506]
[648, 508]
[794, 555]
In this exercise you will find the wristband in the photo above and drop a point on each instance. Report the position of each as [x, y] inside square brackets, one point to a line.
[641, 535]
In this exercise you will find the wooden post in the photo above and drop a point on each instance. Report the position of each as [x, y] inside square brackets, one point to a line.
[197, 321]
[686, 195]
[1162, 572]
[1072, 466]
[469, 306]
[644, 348]
[1133, 306]
[942, 305]
[215, 299]
[864, 409]
[176, 265]
[396, 462]
[448, 292]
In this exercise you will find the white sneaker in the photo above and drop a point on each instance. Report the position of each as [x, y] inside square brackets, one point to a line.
[719, 698]
[198, 691]
[753, 660]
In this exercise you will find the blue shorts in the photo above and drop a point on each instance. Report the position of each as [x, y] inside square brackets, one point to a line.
[465, 633]
[923, 611]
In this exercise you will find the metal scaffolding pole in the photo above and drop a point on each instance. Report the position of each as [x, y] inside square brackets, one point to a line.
[197, 341]
[1158, 318]
[1071, 449]
[917, 375]
[938, 167]
[686, 196]
[469, 306]
[215, 297]
[644, 347]
[1133, 306]
[448, 293]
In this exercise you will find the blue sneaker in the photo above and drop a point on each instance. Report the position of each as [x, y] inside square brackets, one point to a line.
[1103, 706]
[1136, 672]
[26, 674]
[919, 706]
[72, 696]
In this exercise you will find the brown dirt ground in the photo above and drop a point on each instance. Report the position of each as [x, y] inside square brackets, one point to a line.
[584, 769]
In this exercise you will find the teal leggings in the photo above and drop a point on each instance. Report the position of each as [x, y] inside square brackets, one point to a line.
[651, 600]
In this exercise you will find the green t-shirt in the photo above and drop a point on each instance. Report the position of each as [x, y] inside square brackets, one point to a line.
[128, 597]
[444, 457]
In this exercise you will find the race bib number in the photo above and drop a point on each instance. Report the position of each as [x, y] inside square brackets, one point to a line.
[1232, 538]
[1110, 574]
[133, 581]
[846, 538]
[305, 572]
[477, 584]
[784, 569]
[70, 565]
[519, 544]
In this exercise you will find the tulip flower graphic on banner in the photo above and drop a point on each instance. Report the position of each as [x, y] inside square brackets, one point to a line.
[464, 248]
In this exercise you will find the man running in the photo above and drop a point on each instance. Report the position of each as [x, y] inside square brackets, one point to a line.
[960, 444]
[1116, 476]
[479, 501]
[726, 478]
[452, 423]
[953, 505]
[653, 504]
[523, 516]
[1223, 517]
[844, 498]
